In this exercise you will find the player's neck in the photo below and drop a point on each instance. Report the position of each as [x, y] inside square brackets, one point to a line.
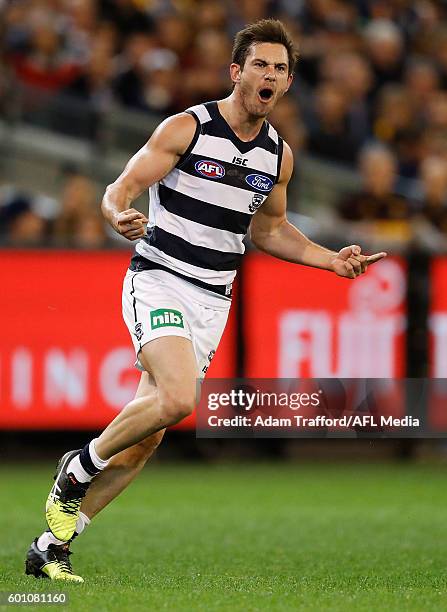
[245, 126]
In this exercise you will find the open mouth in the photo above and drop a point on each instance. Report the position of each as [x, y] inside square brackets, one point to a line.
[266, 94]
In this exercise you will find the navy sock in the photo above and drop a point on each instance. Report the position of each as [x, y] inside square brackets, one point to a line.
[86, 461]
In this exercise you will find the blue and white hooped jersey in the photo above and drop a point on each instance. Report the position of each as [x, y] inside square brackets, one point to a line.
[200, 212]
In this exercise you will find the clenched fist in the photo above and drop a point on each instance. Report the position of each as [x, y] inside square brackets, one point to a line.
[130, 223]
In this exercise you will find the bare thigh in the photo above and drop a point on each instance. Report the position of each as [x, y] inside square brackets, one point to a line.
[172, 363]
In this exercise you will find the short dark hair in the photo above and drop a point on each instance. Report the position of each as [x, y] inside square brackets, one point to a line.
[263, 31]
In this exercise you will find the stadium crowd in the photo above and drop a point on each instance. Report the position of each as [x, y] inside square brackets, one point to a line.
[370, 92]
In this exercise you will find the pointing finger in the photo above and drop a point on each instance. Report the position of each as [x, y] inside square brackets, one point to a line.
[376, 257]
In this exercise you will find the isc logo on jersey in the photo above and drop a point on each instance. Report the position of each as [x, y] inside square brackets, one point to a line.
[210, 169]
[258, 181]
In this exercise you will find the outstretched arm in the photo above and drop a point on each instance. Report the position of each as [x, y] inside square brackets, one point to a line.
[150, 164]
[270, 231]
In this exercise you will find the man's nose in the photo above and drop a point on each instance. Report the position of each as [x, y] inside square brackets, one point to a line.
[270, 73]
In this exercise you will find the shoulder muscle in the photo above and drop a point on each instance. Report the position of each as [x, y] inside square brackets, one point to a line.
[174, 134]
[160, 153]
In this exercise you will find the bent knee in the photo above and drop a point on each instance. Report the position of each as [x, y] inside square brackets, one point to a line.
[175, 407]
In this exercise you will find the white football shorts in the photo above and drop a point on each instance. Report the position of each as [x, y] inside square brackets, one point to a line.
[157, 303]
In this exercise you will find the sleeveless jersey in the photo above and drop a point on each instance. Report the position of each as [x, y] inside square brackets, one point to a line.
[200, 212]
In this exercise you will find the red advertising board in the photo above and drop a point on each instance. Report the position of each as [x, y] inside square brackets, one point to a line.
[438, 343]
[302, 322]
[66, 358]
[438, 318]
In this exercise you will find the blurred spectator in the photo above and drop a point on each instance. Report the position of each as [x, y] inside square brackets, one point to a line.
[385, 46]
[20, 224]
[148, 74]
[211, 15]
[330, 136]
[45, 65]
[430, 220]
[285, 117]
[89, 232]
[433, 198]
[175, 32]
[15, 29]
[161, 83]
[436, 111]
[418, 20]
[78, 203]
[6, 90]
[409, 150]
[128, 83]
[89, 95]
[248, 11]
[208, 78]
[327, 26]
[339, 34]
[93, 83]
[394, 113]
[352, 74]
[421, 81]
[434, 142]
[436, 46]
[127, 15]
[80, 25]
[377, 200]
[396, 125]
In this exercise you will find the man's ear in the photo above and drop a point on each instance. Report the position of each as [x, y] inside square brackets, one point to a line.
[289, 82]
[235, 73]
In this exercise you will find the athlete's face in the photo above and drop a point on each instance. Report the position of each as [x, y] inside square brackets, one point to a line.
[263, 79]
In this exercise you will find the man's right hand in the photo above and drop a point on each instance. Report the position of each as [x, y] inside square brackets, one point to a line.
[130, 223]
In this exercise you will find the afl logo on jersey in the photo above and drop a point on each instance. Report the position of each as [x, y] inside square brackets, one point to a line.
[258, 181]
[210, 169]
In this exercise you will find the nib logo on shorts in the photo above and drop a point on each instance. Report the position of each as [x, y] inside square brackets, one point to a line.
[166, 316]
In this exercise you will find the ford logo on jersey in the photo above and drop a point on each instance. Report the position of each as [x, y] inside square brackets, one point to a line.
[258, 181]
[211, 169]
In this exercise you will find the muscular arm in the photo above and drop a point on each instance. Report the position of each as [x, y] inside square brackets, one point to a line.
[150, 164]
[270, 231]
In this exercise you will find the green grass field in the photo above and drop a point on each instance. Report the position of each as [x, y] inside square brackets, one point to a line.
[247, 537]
